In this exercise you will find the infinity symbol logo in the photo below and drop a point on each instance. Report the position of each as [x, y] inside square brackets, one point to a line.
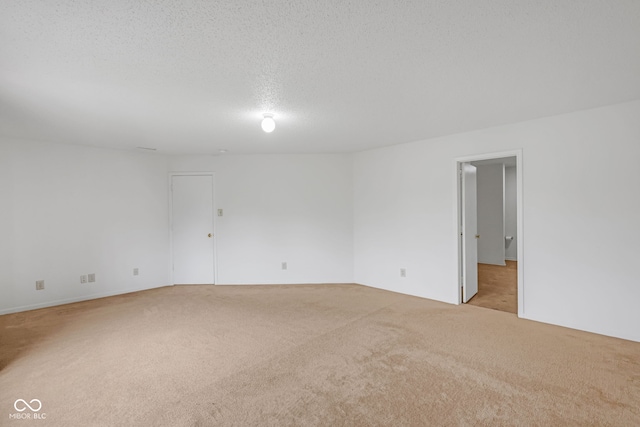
[27, 405]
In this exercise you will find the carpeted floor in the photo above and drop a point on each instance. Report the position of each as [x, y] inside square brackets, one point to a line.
[325, 355]
[497, 287]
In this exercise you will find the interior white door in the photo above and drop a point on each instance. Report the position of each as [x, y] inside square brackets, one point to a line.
[192, 229]
[469, 232]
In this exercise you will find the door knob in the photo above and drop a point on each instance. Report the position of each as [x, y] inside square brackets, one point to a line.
[209, 235]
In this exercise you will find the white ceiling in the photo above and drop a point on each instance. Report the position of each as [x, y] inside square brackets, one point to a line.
[194, 76]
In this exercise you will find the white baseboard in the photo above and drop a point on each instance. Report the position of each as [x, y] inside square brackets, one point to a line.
[511, 259]
[78, 299]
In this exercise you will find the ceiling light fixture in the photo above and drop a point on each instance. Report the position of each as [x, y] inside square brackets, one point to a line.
[268, 124]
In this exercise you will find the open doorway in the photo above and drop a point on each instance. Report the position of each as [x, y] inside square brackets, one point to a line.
[490, 231]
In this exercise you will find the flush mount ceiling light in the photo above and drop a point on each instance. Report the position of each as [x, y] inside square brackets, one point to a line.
[268, 124]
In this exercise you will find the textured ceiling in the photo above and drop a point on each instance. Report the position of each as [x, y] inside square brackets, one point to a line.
[194, 76]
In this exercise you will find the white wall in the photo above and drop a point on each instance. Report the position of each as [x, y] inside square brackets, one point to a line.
[510, 213]
[400, 221]
[281, 208]
[491, 214]
[6, 229]
[580, 216]
[70, 210]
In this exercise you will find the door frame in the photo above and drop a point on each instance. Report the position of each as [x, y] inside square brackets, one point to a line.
[213, 220]
[462, 228]
[519, 217]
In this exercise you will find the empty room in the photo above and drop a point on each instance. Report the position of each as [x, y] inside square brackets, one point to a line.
[247, 213]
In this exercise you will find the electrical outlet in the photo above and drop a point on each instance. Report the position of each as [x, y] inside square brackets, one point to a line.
[136, 272]
[39, 285]
[92, 277]
[284, 265]
[403, 272]
[83, 279]
[220, 212]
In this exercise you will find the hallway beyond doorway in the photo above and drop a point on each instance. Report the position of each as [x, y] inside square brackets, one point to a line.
[497, 287]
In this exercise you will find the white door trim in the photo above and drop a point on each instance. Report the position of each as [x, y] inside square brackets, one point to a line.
[520, 218]
[468, 240]
[215, 239]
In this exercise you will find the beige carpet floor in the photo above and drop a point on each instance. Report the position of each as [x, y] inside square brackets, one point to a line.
[497, 287]
[309, 355]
